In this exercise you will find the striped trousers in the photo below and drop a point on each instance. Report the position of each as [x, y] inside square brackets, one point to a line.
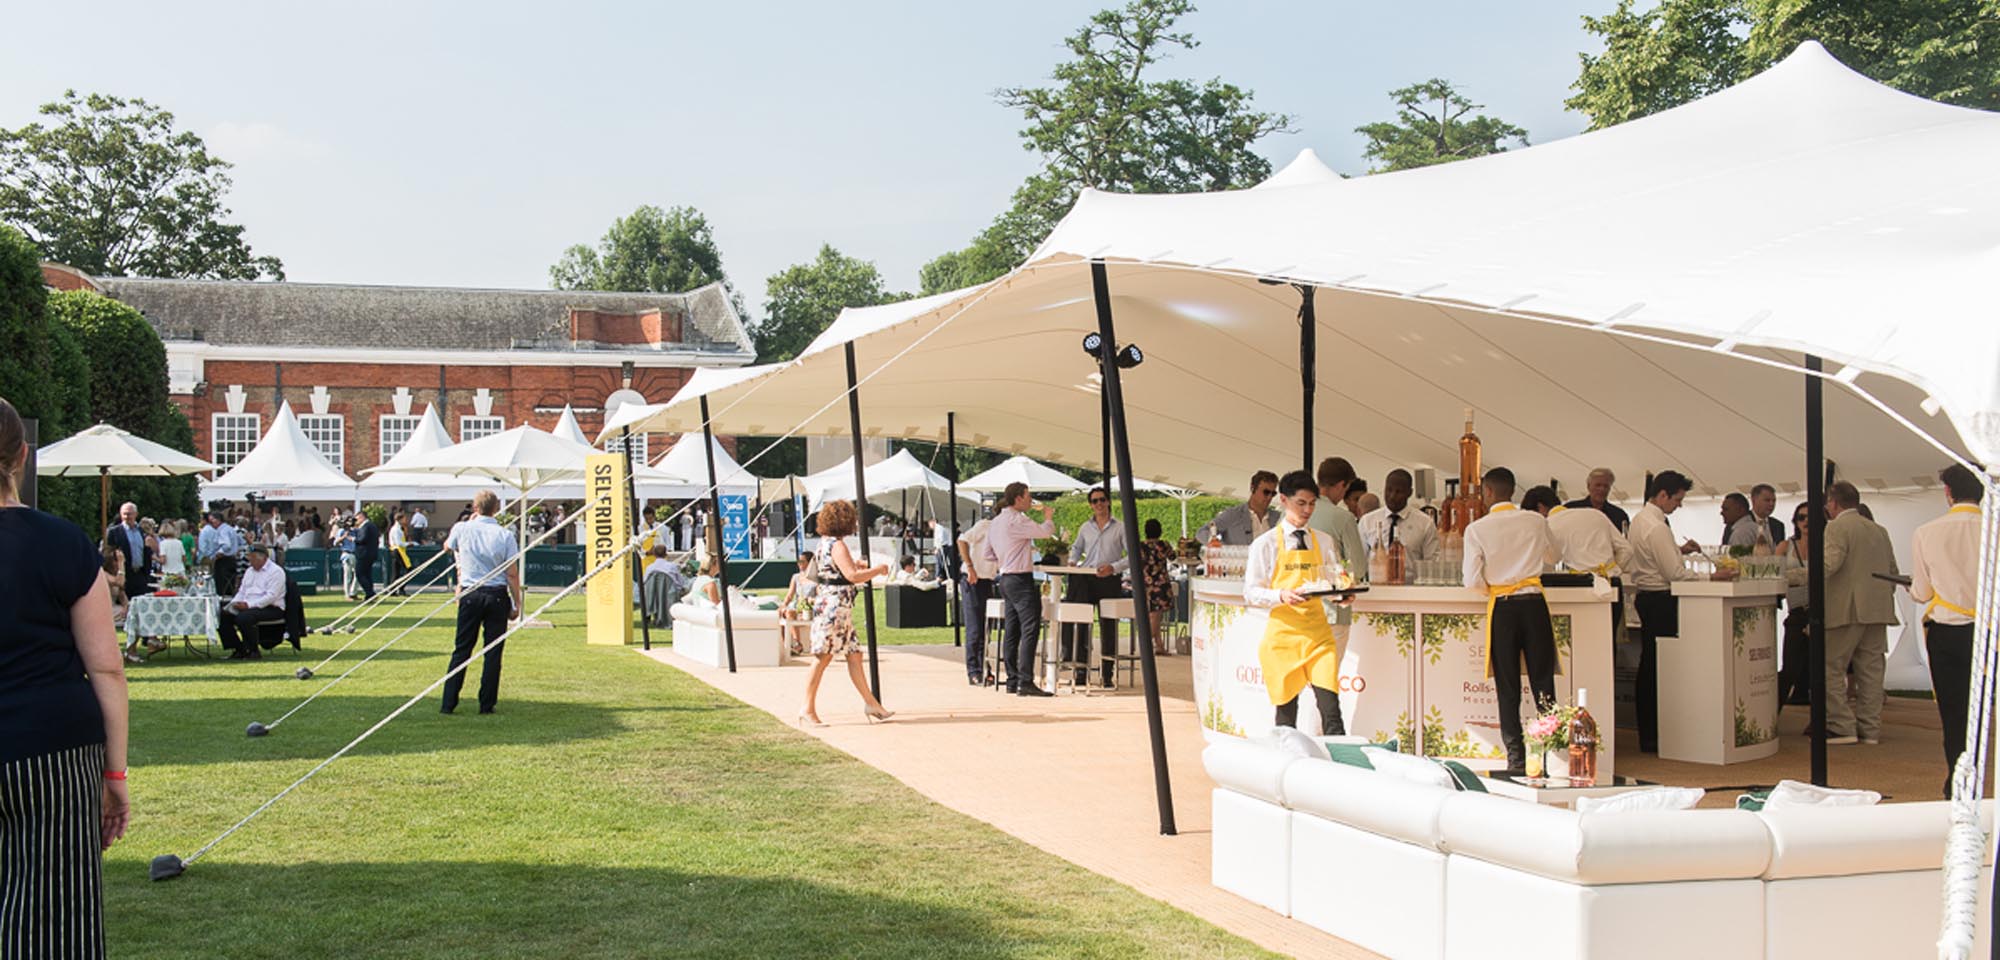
[51, 868]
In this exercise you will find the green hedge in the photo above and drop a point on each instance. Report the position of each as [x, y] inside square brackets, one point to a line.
[1071, 512]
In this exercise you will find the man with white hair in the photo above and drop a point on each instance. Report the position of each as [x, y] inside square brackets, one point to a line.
[1598, 488]
[131, 541]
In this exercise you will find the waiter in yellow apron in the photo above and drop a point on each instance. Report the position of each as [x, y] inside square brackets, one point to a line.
[1505, 552]
[1298, 647]
[1944, 577]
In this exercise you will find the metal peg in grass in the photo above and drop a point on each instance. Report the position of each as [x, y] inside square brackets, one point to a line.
[166, 867]
[256, 729]
[303, 673]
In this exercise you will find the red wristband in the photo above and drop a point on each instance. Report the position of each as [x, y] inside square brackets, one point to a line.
[114, 774]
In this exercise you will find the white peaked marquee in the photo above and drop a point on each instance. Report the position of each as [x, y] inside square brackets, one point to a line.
[283, 466]
[1639, 297]
[1039, 477]
[389, 482]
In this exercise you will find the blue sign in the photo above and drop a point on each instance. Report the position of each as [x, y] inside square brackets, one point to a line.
[799, 528]
[736, 526]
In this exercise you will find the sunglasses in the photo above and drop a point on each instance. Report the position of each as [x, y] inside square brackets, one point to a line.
[1097, 500]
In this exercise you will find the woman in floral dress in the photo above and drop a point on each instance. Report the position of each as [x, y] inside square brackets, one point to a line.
[833, 608]
[1154, 557]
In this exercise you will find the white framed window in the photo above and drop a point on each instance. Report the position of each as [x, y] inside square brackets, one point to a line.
[231, 436]
[328, 433]
[472, 428]
[617, 444]
[395, 432]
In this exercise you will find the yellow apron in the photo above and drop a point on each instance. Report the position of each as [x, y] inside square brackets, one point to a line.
[1298, 645]
[1938, 601]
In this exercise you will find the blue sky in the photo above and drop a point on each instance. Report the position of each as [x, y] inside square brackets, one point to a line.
[468, 144]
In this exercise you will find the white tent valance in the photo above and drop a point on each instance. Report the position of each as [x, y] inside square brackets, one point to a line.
[283, 466]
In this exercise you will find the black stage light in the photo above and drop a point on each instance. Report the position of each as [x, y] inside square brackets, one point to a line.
[1092, 343]
[1130, 357]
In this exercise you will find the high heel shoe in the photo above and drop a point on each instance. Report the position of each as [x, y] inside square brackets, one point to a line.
[878, 713]
[807, 719]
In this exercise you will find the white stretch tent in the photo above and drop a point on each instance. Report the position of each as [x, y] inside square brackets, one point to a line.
[1638, 297]
[389, 482]
[283, 466]
[688, 467]
[1306, 169]
[886, 479]
[567, 428]
[1039, 477]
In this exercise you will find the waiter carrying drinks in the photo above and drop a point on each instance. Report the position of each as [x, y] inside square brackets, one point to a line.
[1286, 563]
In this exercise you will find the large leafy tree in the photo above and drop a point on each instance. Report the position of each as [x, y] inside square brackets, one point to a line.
[1679, 50]
[107, 185]
[44, 375]
[1434, 124]
[127, 369]
[1108, 122]
[664, 251]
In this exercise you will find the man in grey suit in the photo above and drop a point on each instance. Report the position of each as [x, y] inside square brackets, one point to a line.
[1859, 609]
[1240, 524]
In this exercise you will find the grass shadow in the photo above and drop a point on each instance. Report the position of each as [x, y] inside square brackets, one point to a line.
[211, 729]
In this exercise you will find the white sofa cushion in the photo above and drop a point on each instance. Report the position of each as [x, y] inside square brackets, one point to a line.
[1651, 798]
[1417, 770]
[1792, 793]
[1645, 846]
[1839, 841]
[1495, 913]
[711, 616]
[1252, 769]
[1869, 915]
[1369, 800]
[1289, 740]
[1367, 889]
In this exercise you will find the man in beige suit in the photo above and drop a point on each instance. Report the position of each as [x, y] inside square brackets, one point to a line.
[1859, 609]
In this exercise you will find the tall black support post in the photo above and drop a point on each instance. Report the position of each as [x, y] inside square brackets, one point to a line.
[1816, 562]
[951, 475]
[1104, 415]
[1142, 625]
[639, 519]
[1308, 365]
[31, 492]
[861, 509]
[721, 538]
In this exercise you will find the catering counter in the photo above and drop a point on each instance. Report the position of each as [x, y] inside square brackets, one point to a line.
[1719, 678]
[1413, 668]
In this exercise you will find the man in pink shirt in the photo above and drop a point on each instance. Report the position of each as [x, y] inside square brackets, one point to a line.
[1011, 541]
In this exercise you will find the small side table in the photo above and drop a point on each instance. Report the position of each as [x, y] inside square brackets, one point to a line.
[1517, 789]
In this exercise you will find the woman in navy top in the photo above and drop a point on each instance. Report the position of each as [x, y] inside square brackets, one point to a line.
[62, 707]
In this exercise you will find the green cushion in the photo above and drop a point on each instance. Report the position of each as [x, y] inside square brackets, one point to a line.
[1754, 800]
[1349, 754]
[1461, 774]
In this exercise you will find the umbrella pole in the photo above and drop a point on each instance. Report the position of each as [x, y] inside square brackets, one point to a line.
[861, 509]
[103, 498]
[951, 475]
[638, 522]
[1142, 625]
[721, 536]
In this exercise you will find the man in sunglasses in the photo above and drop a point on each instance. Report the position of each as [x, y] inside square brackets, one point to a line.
[1100, 545]
[1240, 524]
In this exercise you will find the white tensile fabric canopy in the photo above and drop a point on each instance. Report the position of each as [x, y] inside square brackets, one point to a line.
[1039, 477]
[887, 480]
[283, 466]
[1639, 297]
[389, 482]
[105, 450]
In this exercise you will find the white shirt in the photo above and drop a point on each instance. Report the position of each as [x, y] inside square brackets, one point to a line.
[975, 547]
[173, 556]
[1100, 546]
[1944, 555]
[1656, 555]
[1508, 545]
[1011, 540]
[1587, 539]
[396, 536]
[261, 588]
[418, 521]
[1263, 561]
[1414, 530]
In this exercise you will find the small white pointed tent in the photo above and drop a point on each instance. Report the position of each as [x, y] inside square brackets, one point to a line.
[567, 428]
[389, 482]
[1039, 477]
[887, 480]
[686, 463]
[523, 458]
[1305, 169]
[283, 466]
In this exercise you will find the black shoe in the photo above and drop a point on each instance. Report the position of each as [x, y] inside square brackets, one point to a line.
[253, 654]
[1011, 687]
[1030, 690]
[446, 710]
[975, 680]
[295, 646]
[485, 710]
[238, 654]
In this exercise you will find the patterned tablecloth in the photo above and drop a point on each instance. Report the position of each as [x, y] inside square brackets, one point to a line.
[151, 616]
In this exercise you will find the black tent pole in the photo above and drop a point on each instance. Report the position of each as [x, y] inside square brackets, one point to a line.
[722, 536]
[1142, 625]
[1816, 563]
[1308, 365]
[638, 571]
[861, 510]
[951, 474]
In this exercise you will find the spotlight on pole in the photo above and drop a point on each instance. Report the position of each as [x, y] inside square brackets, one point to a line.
[1129, 357]
[1092, 344]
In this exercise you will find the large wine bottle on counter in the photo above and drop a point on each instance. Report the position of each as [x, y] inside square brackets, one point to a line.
[1582, 743]
[1472, 506]
[1447, 517]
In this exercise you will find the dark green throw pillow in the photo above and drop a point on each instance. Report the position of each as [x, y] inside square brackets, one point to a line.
[1463, 776]
[1349, 754]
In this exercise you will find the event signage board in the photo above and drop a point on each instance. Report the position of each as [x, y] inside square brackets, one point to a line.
[736, 526]
[607, 525]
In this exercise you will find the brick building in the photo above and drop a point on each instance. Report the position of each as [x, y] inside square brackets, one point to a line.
[358, 363]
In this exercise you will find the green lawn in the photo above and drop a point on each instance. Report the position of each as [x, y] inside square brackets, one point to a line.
[613, 807]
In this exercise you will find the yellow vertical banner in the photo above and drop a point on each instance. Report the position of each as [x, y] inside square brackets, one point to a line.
[607, 526]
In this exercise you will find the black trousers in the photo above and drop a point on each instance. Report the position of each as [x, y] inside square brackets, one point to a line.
[224, 569]
[972, 613]
[1659, 616]
[364, 571]
[242, 629]
[1328, 703]
[1521, 632]
[1076, 636]
[1024, 627]
[487, 609]
[1950, 649]
[1795, 679]
[396, 570]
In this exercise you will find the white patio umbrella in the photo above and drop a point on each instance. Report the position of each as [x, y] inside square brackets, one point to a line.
[106, 451]
[1039, 477]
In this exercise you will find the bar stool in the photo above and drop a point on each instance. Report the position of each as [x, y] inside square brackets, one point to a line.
[1084, 614]
[996, 633]
[1117, 611]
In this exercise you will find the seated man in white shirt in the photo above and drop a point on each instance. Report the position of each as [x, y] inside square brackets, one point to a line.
[259, 599]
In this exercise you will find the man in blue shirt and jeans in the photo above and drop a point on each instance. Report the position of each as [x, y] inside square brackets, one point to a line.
[487, 596]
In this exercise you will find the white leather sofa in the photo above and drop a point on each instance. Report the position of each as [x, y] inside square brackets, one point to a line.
[698, 635]
[1415, 870]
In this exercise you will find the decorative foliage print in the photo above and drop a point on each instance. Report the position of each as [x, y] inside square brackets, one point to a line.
[1748, 732]
[1215, 718]
[1402, 626]
[1440, 627]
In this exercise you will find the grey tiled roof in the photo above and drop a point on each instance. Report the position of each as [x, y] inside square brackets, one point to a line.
[245, 313]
